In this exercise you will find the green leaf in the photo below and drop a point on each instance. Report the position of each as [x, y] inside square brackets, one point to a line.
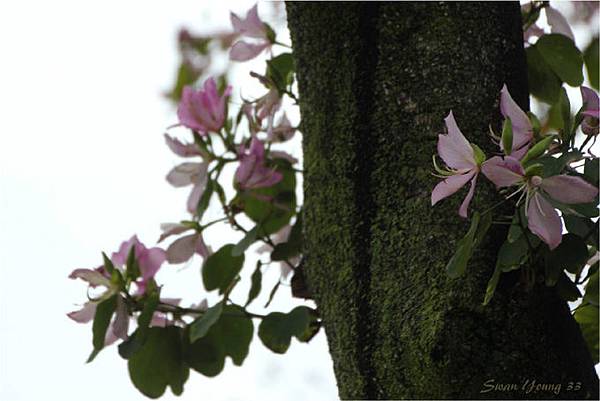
[255, 287]
[566, 288]
[591, 290]
[159, 363]
[565, 115]
[492, 284]
[229, 336]
[543, 82]
[108, 264]
[272, 293]
[186, 75]
[132, 265]
[457, 265]
[563, 57]
[590, 56]
[582, 226]
[515, 231]
[200, 326]
[587, 317]
[293, 246]
[512, 254]
[277, 329]
[205, 199]
[591, 171]
[135, 341]
[273, 215]
[245, 242]
[281, 70]
[484, 225]
[570, 255]
[102, 318]
[221, 268]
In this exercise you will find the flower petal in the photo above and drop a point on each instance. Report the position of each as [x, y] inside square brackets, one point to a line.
[569, 189]
[121, 322]
[463, 210]
[503, 172]
[182, 249]
[590, 98]
[181, 149]
[250, 26]
[150, 262]
[454, 148]
[85, 314]
[521, 126]
[169, 229]
[544, 221]
[244, 51]
[449, 186]
[186, 173]
[93, 277]
[558, 23]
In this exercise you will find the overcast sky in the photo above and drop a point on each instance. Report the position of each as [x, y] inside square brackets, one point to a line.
[82, 166]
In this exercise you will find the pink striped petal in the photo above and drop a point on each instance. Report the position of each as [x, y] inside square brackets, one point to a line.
[243, 51]
[85, 314]
[568, 189]
[521, 126]
[250, 26]
[449, 186]
[453, 148]
[503, 172]
[463, 210]
[544, 221]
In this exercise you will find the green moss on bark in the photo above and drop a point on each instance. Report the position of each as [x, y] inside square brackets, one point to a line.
[376, 81]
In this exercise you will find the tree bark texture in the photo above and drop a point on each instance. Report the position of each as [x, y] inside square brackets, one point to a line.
[376, 81]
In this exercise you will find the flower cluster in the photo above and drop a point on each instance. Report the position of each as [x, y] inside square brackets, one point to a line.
[517, 167]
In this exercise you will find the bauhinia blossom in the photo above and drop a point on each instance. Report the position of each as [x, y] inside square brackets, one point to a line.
[183, 248]
[522, 130]
[189, 173]
[149, 260]
[543, 220]
[184, 149]
[591, 111]
[252, 172]
[203, 110]
[463, 162]
[282, 132]
[250, 27]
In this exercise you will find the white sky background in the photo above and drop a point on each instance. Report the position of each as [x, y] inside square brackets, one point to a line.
[82, 166]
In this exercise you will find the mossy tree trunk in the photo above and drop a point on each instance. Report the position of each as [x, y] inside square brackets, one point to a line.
[376, 81]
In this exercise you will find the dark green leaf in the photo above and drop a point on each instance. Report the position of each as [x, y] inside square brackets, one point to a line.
[280, 70]
[591, 290]
[566, 288]
[229, 336]
[590, 56]
[256, 285]
[245, 242]
[492, 284]
[582, 227]
[272, 293]
[276, 213]
[570, 255]
[507, 136]
[293, 246]
[543, 82]
[133, 267]
[200, 326]
[587, 317]
[277, 329]
[482, 228]
[205, 199]
[464, 250]
[130, 346]
[159, 363]
[102, 318]
[591, 171]
[516, 231]
[512, 254]
[108, 264]
[563, 57]
[565, 115]
[221, 268]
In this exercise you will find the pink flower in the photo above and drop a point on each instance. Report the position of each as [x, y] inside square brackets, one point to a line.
[542, 218]
[251, 27]
[591, 111]
[282, 132]
[182, 249]
[194, 174]
[459, 156]
[252, 172]
[149, 260]
[184, 149]
[521, 126]
[558, 23]
[203, 110]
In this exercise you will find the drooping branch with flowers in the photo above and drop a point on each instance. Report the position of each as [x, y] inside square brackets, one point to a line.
[539, 168]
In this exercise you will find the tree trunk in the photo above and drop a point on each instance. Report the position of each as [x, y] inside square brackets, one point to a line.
[376, 81]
